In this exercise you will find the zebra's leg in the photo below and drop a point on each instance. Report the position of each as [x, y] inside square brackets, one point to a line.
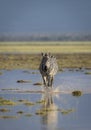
[52, 78]
[44, 80]
[49, 81]
[48, 78]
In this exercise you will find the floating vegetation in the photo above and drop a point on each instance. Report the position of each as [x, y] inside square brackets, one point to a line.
[38, 83]
[49, 109]
[9, 89]
[23, 81]
[65, 112]
[61, 70]
[27, 103]
[4, 110]
[40, 101]
[89, 73]
[1, 73]
[77, 93]
[22, 101]
[6, 102]
[35, 72]
[8, 117]
[20, 112]
[26, 71]
[40, 112]
[28, 115]
[44, 111]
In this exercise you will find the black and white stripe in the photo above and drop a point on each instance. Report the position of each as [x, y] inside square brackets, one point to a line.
[48, 68]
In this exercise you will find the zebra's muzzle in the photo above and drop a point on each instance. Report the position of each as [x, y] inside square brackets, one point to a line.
[45, 68]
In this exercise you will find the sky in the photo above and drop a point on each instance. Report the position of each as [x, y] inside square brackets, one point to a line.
[45, 16]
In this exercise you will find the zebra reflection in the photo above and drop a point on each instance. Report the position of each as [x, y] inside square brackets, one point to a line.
[48, 68]
[50, 117]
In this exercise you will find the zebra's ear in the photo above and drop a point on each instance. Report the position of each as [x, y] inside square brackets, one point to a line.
[42, 54]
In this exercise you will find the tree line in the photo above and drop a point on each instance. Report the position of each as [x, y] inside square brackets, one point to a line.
[44, 37]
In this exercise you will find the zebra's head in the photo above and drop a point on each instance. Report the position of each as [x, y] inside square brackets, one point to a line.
[46, 61]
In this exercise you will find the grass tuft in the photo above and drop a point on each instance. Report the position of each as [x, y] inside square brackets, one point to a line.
[8, 117]
[65, 112]
[77, 93]
[40, 101]
[4, 110]
[20, 112]
[6, 102]
[88, 73]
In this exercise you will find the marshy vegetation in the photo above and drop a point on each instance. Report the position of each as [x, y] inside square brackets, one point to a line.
[27, 61]
[69, 54]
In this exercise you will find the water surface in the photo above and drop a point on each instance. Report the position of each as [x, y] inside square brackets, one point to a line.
[58, 111]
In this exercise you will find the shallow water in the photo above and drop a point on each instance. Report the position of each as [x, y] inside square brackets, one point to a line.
[58, 111]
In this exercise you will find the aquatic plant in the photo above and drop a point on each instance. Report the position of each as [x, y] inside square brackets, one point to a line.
[27, 71]
[44, 111]
[20, 112]
[23, 81]
[9, 89]
[40, 112]
[22, 100]
[35, 72]
[6, 102]
[76, 93]
[38, 83]
[1, 73]
[65, 112]
[8, 117]
[88, 73]
[27, 103]
[28, 115]
[4, 110]
[41, 101]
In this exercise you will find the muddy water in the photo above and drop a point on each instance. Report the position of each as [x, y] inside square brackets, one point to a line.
[55, 109]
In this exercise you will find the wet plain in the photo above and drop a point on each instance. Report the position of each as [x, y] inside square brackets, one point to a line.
[26, 104]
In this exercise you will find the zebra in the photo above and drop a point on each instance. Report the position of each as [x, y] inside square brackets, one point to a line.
[48, 68]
